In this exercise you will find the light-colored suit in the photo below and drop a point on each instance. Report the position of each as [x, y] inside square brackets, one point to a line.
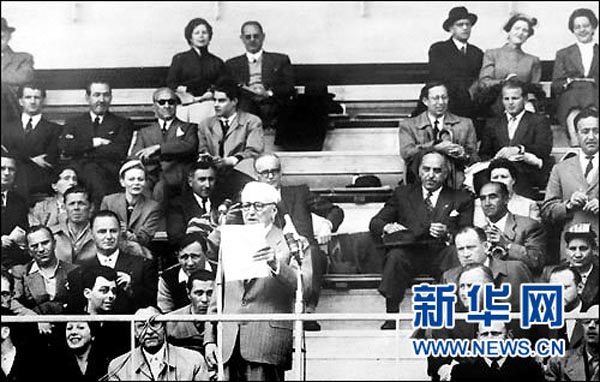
[571, 367]
[144, 217]
[35, 294]
[180, 364]
[244, 137]
[566, 178]
[528, 241]
[267, 342]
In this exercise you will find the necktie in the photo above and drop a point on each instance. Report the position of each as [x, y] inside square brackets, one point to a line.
[512, 127]
[495, 366]
[589, 166]
[436, 130]
[164, 129]
[95, 126]
[29, 126]
[3, 199]
[428, 203]
[225, 127]
[129, 211]
[204, 205]
[463, 50]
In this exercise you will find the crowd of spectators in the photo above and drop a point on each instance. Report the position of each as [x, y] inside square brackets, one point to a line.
[81, 204]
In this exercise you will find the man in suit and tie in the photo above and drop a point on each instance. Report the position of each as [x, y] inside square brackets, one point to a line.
[572, 192]
[456, 63]
[259, 350]
[45, 277]
[137, 277]
[228, 138]
[196, 209]
[513, 237]
[96, 142]
[17, 69]
[522, 137]
[267, 78]
[417, 222]
[33, 140]
[14, 216]
[439, 130]
[300, 203]
[500, 368]
[166, 147]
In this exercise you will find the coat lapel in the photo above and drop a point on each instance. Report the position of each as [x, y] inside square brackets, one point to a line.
[576, 60]
[502, 131]
[137, 211]
[267, 66]
[442, 207]
[510, 230]
[521, 129]
[594, 67]
[155, 133]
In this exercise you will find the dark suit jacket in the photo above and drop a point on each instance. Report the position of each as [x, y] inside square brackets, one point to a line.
[181, 209]
[177, 149]
[277, 72]
[504, 271]
[197, 72]
[513, 369]
[457, 71]
[42, 140]
[35, 295]
[590, 294]
[14, 214]
[407, 207]
[299, 203]
[144, 281]
[534, 134]
[76, 139]
[568, 65]
[144, 217]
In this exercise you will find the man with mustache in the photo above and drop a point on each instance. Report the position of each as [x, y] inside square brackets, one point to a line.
[426, 132]
[96, 142]
[572, 191]
[417, 222]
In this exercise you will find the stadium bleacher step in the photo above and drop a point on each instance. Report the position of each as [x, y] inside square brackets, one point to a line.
[361, 355]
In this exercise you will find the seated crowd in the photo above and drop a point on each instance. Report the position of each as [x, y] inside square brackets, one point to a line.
[81, 204]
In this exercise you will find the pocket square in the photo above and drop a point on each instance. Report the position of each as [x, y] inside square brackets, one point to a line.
[179, 132]
[454, 213]
[69, 136]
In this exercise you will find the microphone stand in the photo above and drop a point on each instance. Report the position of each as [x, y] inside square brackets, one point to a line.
[298, 327]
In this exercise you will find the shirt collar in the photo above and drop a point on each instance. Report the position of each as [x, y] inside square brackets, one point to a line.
[113, 256]
[501, 224]
[94, 115]
[499, 360]
[199, 200]
[182, 277]
[434, 194]
[459, 44]
[440, 120]
[588, 46]
[35, 268]
[162, 122]
[35, 119]
[517, 117]
[230, 118]
[254, 56]
[584, 160]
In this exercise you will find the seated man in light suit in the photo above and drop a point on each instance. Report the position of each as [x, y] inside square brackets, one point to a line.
[259, 350]
[267, 78]
[167, 147]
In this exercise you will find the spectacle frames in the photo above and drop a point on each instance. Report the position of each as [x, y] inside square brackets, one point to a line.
[163, 102]
[258, 206]
[270, 171]
[252, 36]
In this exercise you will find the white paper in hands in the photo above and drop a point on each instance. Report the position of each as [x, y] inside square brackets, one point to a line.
[238, 244]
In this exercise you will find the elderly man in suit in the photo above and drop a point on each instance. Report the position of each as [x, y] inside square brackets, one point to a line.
[456, 63]
[166, 147]
[572, 192]
[196, 209]
[17, 69]
[267, 78]
[522, 137]
[97, 142]
[137, 277]
[513, 237]
[299, 203]
[472, 248]
[259, 350]
[581, 363]
[14, 216]
[439, 130]
[417, 222]
[45, 277]
[33, 140]
[228, 138]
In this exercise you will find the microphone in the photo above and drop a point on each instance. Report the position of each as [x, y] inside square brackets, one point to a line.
[290, 235]
[224, 207]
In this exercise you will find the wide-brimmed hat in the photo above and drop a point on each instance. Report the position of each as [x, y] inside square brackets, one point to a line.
[5, 27]
[458, 13]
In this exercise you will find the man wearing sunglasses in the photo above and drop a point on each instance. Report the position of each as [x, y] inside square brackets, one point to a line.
[268, 78]
[167, 147]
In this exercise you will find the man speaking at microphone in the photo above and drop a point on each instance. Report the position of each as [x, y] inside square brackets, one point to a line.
[258, 350]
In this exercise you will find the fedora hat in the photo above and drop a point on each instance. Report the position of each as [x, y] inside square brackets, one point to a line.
[5, 27]
[458, 13]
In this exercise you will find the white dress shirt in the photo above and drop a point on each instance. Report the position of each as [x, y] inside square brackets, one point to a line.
[35, 119]
[460, 45]
[587, 55]
[513, 123]
[155, 361]
[199, 200]
[110, 260]
[434, 195]
[254, 57]
[94, 116]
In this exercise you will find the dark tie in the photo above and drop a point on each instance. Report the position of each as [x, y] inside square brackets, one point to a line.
[436, 130]
[495, 366]
[428, 203]
[225, 127]
[29, 126]
[129, 212]
[204, 205]
[96, 124]
[589, 166]
[463, 50]
[164, 129]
